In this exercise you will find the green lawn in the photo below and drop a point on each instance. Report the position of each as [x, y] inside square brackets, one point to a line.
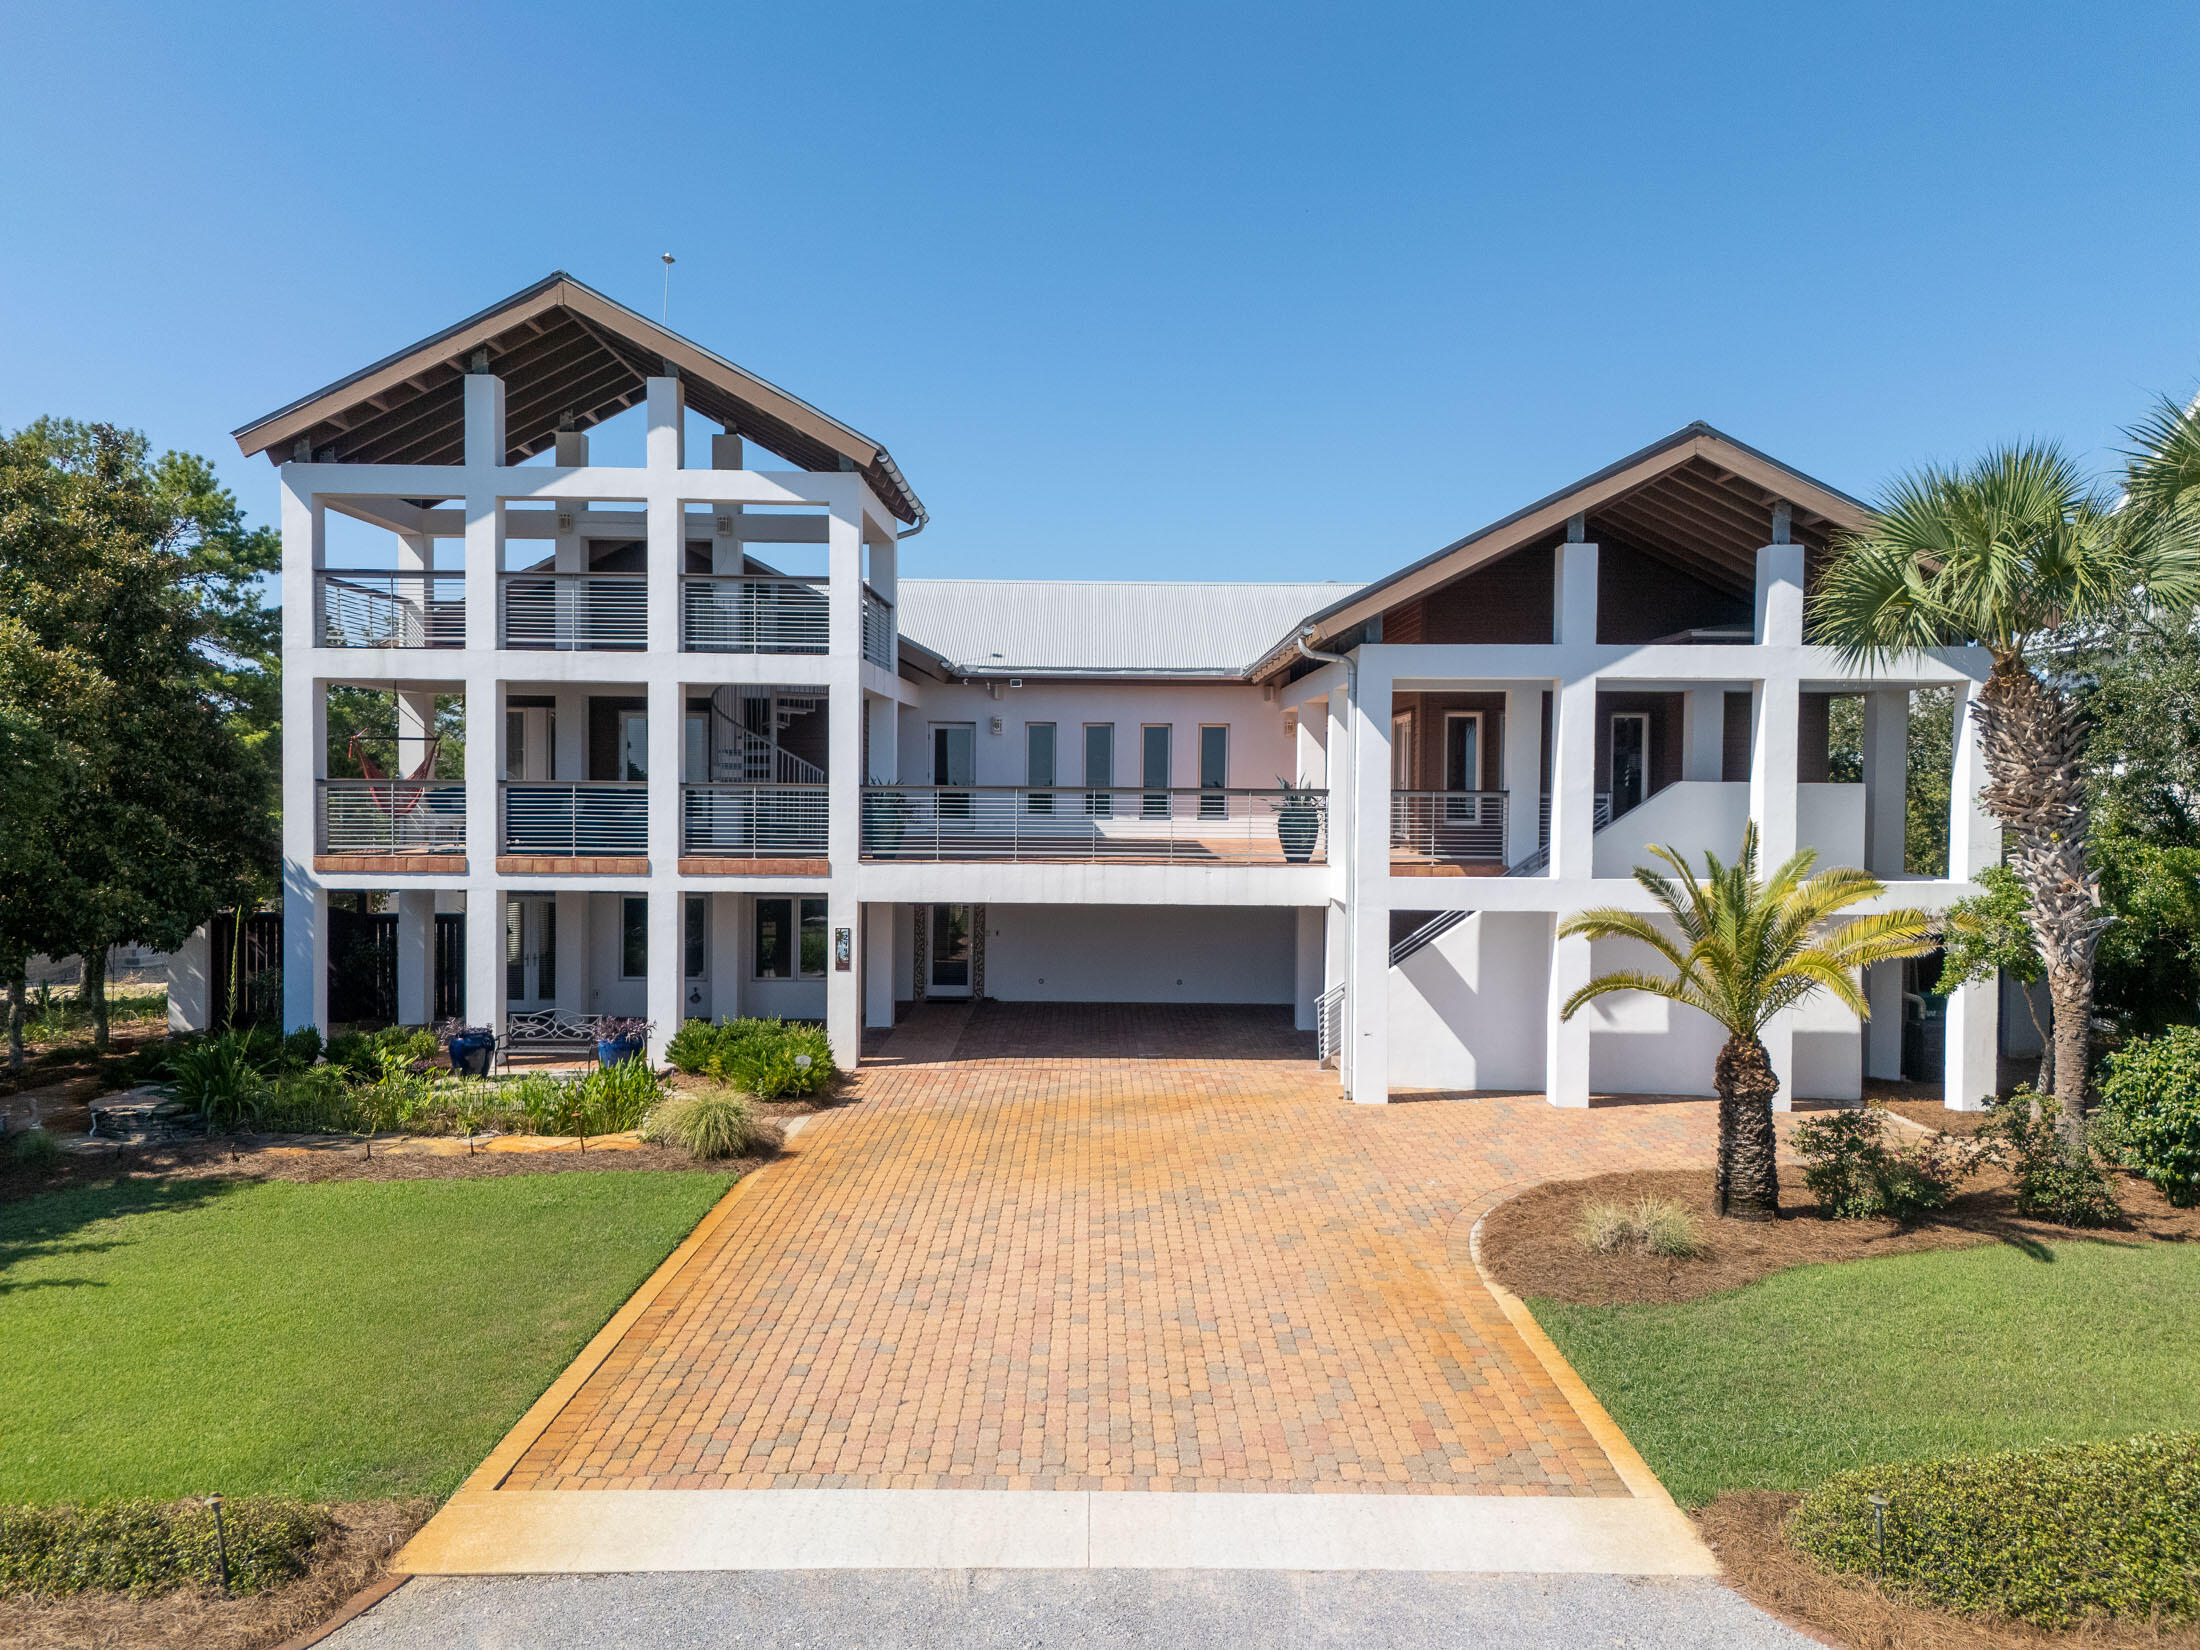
[337, 1341]
[1824, 1368]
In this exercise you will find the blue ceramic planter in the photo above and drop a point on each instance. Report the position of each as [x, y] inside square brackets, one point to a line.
[470, 1055]
[610, 1053]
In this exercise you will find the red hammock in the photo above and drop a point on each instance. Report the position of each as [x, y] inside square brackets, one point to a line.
[390, 803]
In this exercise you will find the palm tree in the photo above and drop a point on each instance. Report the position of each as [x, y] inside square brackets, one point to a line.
[2004, 553]
[1746, 950]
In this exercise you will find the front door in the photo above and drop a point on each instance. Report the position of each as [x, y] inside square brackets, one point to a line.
[531, 951]
[1630, 779]
[951, 947]
[954, 762]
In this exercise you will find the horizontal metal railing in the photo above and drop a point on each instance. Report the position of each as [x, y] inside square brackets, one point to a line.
[878, 629]
[753, 821]
[592, 817]
[381, 607]
[392, 816]
[575, 611]
[1463, 826]
[1176, 825]
[754, 615]
[1538, 863]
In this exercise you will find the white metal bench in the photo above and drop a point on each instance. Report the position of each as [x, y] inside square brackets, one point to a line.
[547, 1031]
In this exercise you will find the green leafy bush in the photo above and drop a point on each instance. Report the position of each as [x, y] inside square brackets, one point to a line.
[146, 1547]
[316, 1100]
[2049, 1536]
[384, 1053]
[2150, 1109]
[221, 1080]
[707, 1124]
[691, 1047]
[2053, 1183]
[36, 1148]
[1855, 1173]
[774, 1059]
[617, 1097]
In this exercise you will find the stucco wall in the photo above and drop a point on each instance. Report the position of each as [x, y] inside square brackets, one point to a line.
[1466, 1010]
[1140, 954]
[1259, 752]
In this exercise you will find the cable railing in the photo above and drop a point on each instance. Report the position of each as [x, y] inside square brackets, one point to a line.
[1329, 1025]
[574, 612]
[1134, 824]
[1448, 826]
[392, 816]
[741, 614]
[878, 629]
[382, 607]
[753, 821]
[1539, 863]
[583, 817]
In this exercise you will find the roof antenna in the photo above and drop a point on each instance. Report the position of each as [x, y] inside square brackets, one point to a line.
[665, 315]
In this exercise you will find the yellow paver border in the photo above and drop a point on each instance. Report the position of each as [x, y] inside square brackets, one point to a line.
[1626, 1460]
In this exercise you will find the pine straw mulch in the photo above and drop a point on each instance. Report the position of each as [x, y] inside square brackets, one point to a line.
[356, 1555]
[1743, 1528]
[1530, 1245]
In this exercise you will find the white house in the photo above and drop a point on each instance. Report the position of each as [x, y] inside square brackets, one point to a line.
[723, 758]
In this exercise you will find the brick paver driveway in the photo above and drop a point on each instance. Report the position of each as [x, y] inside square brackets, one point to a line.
[1107, 1249]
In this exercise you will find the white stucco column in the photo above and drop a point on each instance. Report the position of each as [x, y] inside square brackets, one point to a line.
[1780, 595]
[484, 718]
[666, 989]
[485, 982]
[844, 986]
[1566, 1042]
[882, 718]
[1886, 780]
[1573, 779]
[667, 737]
[1883, 1031]
[1310, 747]
[570, 955]
[415, 956]
[1574, 596]
[1971, 1072]
[1367, 999]
[485, 451]
[190, 981]
[1523, 772]
[1307, 984]
[1337, 775]
[1772, 765]
[844, 528]
[725, 956]
[1703, 734]
[305, 950]
[877, 952]
[667, 551]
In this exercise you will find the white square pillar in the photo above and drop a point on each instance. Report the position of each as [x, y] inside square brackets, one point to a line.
[666, 988]
[1574, 600]
[1338, 746]
[485, 453]
[1310, 746]
[667, 739]
[1886, 780]
[1780, 595]
[1573, 779]
[882, 718]
[1883, 1031]
[666, 554]
[1367, 999]
[305, 951]
[415, 956]
[1523, 773]
[844, 986]
[1307, 984]
[1772, 768]
[485, 977]
[570, 955]
[1566, 1042]
[1703, 734]
[665, 445]
[484, 775]
[877, 950]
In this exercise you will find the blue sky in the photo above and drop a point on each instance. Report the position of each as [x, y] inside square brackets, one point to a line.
[1146, 291]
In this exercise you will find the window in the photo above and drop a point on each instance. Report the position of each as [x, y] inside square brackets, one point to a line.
[693, 935]
[954, 758]
[546, 961]
[1153, 768]
[1214, 771]
[515, 744]
[1630, 777]
[777, 940]
[698, 750]
[1099, 766]
[634, 939]
[1463, 750]
[515, 956]
[1039, 765]
[1401, 751]
[633, 745]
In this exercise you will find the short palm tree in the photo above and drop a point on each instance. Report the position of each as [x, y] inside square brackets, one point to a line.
[1741, 950]
[2005, 553]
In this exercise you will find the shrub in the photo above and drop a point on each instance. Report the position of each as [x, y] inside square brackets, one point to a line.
[2049, 1536]
[772, 1059]
[707, 1124]
[220, 1080]
[2053, 1183]
[1654, 1225]
[691, 1047]
[616, 1097]
[1855, 1174]
[302, 1047]
[146, 1547]
[2150, 1107]
[316, 1100]
[36, 1148]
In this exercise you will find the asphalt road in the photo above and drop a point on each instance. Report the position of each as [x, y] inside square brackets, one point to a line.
[1061, 1610]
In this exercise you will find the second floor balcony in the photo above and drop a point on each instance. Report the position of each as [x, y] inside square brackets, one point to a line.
[391, 817]
[593, 817]
[1084, 824]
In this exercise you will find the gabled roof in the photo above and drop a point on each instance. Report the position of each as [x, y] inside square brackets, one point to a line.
[563, 350]
[1699, 499]
[1082, 627]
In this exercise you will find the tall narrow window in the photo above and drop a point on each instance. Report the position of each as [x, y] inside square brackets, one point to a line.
[813, 939]
[954, 762]
[546, 956]
[515, 953]
[1099, 766]
[1630, 777]
[634, 939]
[634, 745]
[515, 744]
[1214, 771]
[1401, 751]
[1153, 768]
[693, 934]
[1039, 766]
[775, 939]
[697, 753]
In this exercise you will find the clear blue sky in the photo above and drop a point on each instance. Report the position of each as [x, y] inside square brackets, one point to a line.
[1144, 290]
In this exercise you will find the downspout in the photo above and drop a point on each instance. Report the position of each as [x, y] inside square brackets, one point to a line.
[1345, 1040]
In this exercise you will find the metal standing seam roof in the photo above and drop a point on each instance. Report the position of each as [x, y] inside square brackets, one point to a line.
[1085, 627]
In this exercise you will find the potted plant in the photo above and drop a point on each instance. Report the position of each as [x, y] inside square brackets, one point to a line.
[1298, 820]
[471, 1048]
[620, 1037]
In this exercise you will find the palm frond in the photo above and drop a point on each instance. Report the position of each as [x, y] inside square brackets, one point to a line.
[1628, 979]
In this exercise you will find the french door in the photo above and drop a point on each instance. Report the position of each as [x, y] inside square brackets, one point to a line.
[531, 951]
[952, 941]
[1629, 782]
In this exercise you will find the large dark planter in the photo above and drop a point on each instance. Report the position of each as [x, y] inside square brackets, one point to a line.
[1298, 829]
[611, 1051]
[470, 1055]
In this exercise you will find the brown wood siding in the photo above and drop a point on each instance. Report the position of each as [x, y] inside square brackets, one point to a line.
[1406, 623]
[1640, 598]
[1509, 601]
[1813, 739]
[603, 735]
[1734, 747]
[1428, 736]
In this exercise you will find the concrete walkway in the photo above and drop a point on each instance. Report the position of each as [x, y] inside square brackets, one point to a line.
[1081, 1610]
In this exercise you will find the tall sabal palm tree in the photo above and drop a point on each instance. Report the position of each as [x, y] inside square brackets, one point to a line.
[2004, 553]
[1741, 950]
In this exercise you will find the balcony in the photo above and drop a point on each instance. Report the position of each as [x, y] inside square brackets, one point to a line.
[390, 824]
[754, 615]
[1121, 825]
[597, 826]
[575, 612]
[878, 630]
[736, 828]
[1447, 833]
[376, 607]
